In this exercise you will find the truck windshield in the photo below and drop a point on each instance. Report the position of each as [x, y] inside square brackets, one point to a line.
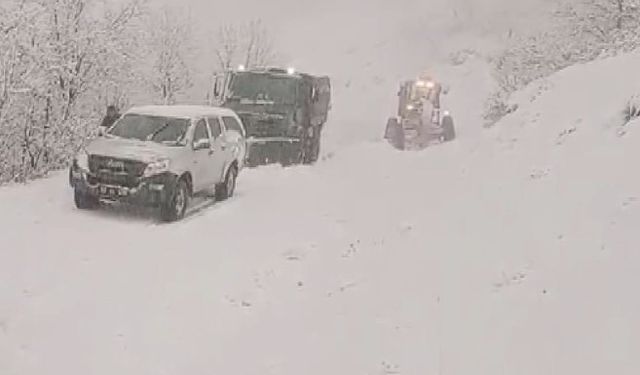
[165, 130]
[264, 87]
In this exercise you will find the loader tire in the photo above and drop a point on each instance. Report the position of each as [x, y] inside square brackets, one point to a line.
[395, 133]
[449, 131]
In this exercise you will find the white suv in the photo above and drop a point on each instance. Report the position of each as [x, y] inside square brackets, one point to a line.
[161, 156]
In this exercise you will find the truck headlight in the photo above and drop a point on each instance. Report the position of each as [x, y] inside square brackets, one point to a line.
[82, 160]
[156, 167]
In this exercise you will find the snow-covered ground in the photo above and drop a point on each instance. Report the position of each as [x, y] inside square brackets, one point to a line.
[510, 251]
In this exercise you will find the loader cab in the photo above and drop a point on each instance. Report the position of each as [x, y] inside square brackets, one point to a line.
[412, 92]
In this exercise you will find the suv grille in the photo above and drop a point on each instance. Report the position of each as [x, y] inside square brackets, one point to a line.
[114, 171]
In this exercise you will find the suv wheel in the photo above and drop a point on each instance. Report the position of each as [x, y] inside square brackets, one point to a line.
[84, 201]
[226, 189]
[176, 205]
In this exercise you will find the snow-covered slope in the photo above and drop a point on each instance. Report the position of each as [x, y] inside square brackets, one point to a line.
[510, 252]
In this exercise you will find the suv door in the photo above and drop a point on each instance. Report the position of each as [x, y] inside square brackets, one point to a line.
[202, 174]
[219, 148]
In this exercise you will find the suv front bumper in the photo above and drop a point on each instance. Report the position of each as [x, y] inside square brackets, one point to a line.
[150, 191]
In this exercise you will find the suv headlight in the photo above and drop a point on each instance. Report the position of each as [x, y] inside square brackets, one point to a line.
[82, 160]
[156, 167]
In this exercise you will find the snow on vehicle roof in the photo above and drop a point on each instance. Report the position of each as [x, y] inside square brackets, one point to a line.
[181, 111]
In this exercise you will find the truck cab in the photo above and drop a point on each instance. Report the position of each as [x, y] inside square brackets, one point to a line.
[283, 111]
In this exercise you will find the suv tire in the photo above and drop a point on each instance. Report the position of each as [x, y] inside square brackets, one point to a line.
[175, 207]
[226, 189]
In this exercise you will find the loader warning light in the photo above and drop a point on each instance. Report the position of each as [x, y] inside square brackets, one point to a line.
[427, 84]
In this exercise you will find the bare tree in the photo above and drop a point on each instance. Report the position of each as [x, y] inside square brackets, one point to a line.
[228, 44]
[171, 39]
[250, 45]
[259, 50]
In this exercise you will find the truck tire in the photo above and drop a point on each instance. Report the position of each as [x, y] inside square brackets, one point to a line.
[175, 206]
[84, 201]
[448, 129]
[226, 189]
[313, 151]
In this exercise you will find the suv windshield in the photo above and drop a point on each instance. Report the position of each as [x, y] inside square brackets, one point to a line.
[264, 87]
[165, 130]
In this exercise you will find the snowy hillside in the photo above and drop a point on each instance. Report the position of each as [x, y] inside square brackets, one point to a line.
[512, 251]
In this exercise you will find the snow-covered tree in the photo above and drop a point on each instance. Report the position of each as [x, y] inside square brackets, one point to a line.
[259, 51]
[250, 45]
[579, 31]
[170, 51]
[56, 55]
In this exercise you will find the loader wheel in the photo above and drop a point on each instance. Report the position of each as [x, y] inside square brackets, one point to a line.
[395, 134]
[449, 131]
[390, 130]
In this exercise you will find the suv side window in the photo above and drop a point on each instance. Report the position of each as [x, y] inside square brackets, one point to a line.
[214, 125]
[232, 124]
[200, 132]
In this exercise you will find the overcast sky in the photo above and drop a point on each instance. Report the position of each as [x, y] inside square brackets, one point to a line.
[331, 24]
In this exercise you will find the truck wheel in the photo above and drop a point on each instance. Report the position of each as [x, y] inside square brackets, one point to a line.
[84, 201]
[226, 189]
[313, 151]
[175, 207]
[448, 130]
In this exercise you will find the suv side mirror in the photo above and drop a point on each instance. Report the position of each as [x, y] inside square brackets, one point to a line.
[201, 144]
